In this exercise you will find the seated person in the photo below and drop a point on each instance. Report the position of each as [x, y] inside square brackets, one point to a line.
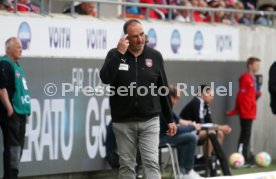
[155, 13]
[132, 9]
[24, 6]
[184, 139]
[183, 15]
[84, 8]
[198, 110]
[265, 20]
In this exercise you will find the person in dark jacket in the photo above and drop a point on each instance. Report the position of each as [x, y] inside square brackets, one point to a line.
[246, 107]
[185, 139]
[198, 110]
[137, 78]
[15, 106]
[272, 87]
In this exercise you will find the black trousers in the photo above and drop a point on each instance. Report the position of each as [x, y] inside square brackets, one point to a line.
[244, 140]
[13, 129]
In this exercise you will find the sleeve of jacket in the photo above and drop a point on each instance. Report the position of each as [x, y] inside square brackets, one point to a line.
[5, 72]
[195, 108]
[191, 111]
[176, 118]
[166, 103]
[184, 129]
[272, 79]
[110, 67]
[243, 99]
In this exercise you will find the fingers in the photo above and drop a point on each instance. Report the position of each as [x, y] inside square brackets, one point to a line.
[123, 44]
[124, 39]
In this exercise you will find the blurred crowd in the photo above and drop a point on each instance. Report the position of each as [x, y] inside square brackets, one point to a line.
[89, 8]
[205, 16]
[22, 6]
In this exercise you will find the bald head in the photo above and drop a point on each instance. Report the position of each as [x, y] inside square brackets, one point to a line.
[13, 48]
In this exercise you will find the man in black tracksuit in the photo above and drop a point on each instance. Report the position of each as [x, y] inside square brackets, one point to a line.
[272, 87]
[135, 73]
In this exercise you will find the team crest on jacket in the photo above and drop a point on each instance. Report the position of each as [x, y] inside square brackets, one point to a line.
[17, 74]
[149, 63]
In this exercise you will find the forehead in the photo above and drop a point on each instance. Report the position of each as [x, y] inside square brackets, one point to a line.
[135, 28]
[255, 63]
[16, 42]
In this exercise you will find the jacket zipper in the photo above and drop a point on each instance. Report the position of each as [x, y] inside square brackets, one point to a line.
[136, 81]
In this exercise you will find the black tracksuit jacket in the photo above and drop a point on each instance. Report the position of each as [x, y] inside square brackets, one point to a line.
[272, 87]
[144, 70]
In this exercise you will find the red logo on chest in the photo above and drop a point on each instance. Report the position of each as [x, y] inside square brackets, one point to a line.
[17, 74]
[149, 63]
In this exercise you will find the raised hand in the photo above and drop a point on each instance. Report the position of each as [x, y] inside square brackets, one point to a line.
[123, 44]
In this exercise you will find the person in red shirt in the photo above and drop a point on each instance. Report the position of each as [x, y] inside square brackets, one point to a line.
[246, 106]
[154, 13]
[199, 16]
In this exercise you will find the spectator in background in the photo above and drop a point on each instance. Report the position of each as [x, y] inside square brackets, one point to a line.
[246, 107]
[185, 139]
[156, 13]
[218, 16]
[240, 17]
[24, 6]
[182, 14]
[249, 4]
[133, 9]
[265, 20]
[6, 5]
[84, 8]
[199, 16]
[194, 3]
[173, 2]
[198, 110]
[35, 7]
